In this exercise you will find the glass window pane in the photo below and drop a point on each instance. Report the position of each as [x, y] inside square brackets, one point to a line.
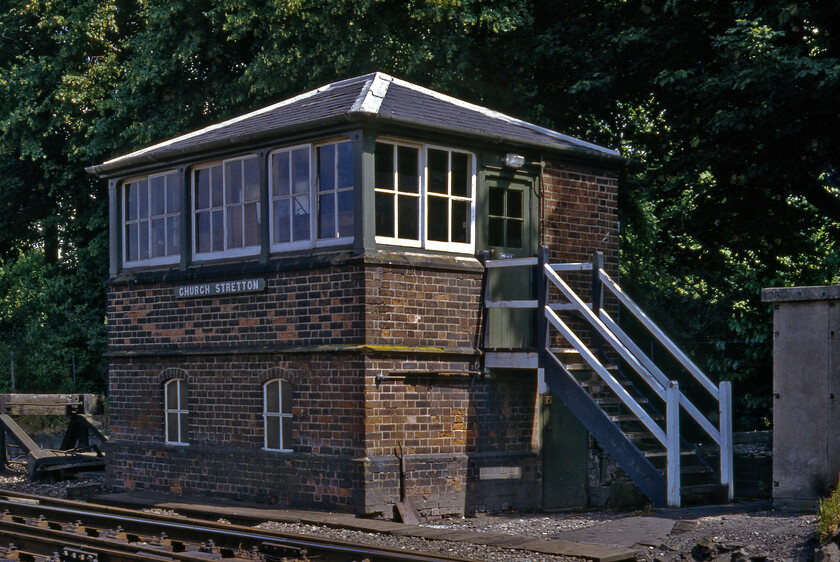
[272, 397]
[143, 199]
[345, 164]
[281, 221]
[326, 216]
[216, 186]
[158, 248]
[280, 174]
[158, 195]
[461, 221]
[408, 169]
[286, 397]
[326, 167]
[252, 179]
[131, 242]
[272, 432]
[171, 389]
[184, 428]
[514, 206]
[514, 233]
[202, 232]
[385, 215]
[496, 232]
[173, 194]
[172, 427]
[173, 235]
[287, 433]
[252, 224]
[300, 176]
[497, 201]
[345, 213]
[300, 224]
[182, 395]
[438, 219]
[143, 238]
[384, 166]
[233, 181]
[409, 213]
[202, 183]
[438, 165]
[131, 202]
[234, 227]
[460, 175]
[218, 231]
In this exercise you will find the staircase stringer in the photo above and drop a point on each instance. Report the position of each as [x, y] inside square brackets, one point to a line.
[608, 435]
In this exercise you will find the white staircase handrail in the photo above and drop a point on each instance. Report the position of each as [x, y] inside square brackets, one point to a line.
[678, 354]
[605, 375]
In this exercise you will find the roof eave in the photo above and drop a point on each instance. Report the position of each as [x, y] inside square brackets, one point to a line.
[119, 165]
[607, 158]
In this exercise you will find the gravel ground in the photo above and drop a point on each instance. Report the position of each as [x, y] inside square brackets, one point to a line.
[462, 550]
[756, 536]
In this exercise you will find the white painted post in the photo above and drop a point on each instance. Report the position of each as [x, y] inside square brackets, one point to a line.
[726, 465]
[672, 426]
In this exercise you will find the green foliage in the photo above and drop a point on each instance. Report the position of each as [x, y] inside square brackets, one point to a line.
[729, 105]
[828, 515]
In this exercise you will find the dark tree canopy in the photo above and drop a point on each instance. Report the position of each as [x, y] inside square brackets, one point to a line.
[731, 107]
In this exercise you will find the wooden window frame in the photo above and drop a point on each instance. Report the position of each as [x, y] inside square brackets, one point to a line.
[272, 417]
[167, 258]
[226, 208]
[181, 411]
[424, 196]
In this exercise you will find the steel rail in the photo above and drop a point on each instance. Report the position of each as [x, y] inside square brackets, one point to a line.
[205, 529]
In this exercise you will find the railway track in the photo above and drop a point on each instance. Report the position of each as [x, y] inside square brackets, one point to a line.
[44, 529]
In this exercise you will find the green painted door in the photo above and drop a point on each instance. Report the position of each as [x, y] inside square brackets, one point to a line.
[509, 235]
[565, 450]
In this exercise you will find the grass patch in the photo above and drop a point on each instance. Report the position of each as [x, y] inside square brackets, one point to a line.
[829, 515]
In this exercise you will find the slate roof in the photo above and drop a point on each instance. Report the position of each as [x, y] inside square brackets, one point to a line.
[374, 96]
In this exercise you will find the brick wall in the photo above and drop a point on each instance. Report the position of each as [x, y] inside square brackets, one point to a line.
[306, 307]
[224, 456]
[450, 427]
[581, 214]
[407, 306]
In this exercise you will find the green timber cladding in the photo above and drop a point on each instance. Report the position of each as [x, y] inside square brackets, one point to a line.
[308, 272]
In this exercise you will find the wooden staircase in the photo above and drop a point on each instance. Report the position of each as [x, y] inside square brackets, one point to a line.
[639, 427]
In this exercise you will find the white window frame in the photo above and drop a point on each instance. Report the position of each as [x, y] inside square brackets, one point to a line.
[150, 261]
[314, 200]
[450, 246]
[424, 242]
[316, 195]
[276, 417]
[294, 244]
[181, 411]
[395, 193]
[226, 252]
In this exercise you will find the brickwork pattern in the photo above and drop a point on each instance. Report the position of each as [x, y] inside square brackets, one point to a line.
[421, 308]
[446, 425]
[306, 307]
[225, 455]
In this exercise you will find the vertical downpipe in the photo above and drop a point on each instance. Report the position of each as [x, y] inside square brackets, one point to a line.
[672, 426]
[726, 463]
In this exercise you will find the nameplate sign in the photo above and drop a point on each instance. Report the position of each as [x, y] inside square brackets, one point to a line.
[220, 288]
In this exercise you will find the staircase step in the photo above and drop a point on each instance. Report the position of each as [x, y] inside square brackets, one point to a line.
[599, 382]
[621, 418]
[658, 454]
[615, 400]
[586, 367]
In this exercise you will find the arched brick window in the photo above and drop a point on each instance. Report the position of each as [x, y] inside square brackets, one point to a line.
[177, 412]
[277, 415]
